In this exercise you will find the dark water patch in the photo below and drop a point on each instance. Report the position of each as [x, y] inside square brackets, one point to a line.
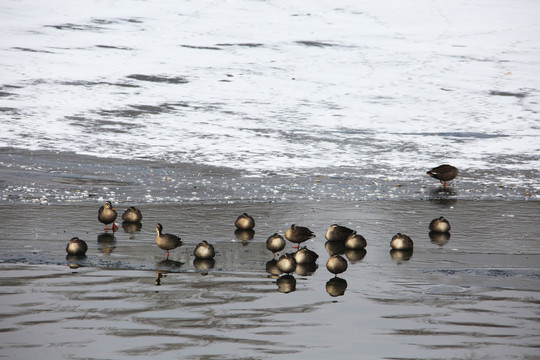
[3, 87]
[86, 83]
[6, 94]
[457, 134]
[102, 125]
[32, 50]
[503, 273]
[478, 324]
[159, 79]
[120, 113]
[201, 47]
[76, 27]
[477, 59]
[475, 334]
[519, 95]
[312, 43]
[104, 21]
[10, 111]
[114, 47]
[135, 111]
[132, 20]
[250, 45]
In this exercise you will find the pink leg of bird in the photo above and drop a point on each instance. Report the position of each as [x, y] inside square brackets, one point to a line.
[167, 255]
[114, 227]
[106, 228]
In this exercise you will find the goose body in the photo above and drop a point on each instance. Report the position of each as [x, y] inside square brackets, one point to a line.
[76, 247]
[245, 222]
[401, 242]
[275, 243]
[355, 241]
[167, 241]
[337, 233]
[107, 214]
[132, 215]
[298, 234]
[439, 225]
[286, 263]
[443, 173]
[204, 250]
[336, 264]
[305, 256]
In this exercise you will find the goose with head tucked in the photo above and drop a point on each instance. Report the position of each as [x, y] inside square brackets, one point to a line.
[132, 215]
[245, 222]
[355, 241]
[76, 247]
[275, 243]
[439, 225]
[337, 233]
[401, 242]
[336, 264]
[204, 250]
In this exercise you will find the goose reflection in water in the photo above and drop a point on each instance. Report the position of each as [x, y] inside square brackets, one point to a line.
[439, 238]
[74, 261]
[335, 247]
[107, 242]
[131, 228]
[401, 256]
[306, 269]
[286, 284]
[204, 265]
[244, 235]
[272, 269]
[336, 286]
[355, 255]
[159, 275]
[169, 265]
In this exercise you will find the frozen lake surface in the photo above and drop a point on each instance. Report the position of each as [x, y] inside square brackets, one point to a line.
[390, 87]
[306, 112]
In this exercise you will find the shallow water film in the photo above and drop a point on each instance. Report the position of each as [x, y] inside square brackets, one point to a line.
[473, 293]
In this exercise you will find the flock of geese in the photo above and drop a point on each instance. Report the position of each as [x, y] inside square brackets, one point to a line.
[287, 262]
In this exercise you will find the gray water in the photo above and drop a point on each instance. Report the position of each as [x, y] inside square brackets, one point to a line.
[474, 295]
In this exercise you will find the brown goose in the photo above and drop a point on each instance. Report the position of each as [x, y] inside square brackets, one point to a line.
[286, 263]
[167, 241]
[337, 233]
[76, 247]
[336, 264]
[439, 225]
[401, 242]
[107, 214]
[355, 241]
[275, 243]
[305, 256]
[298, 234]
[443, 173]
[204, 250]
[132, 215]
[245, 222]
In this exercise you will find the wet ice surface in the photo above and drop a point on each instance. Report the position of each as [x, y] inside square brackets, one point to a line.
[386, 87]
[473, 295]
[43, 177]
